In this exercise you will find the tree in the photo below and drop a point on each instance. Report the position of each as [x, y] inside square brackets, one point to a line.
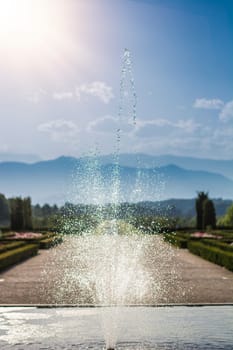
[209, 214]
[227, 219]
[46, 210]
[4, 210]
[202, 196]
[17, 213]
[27, 213]
[20, 213]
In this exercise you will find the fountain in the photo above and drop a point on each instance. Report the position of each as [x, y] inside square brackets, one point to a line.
[114, 274]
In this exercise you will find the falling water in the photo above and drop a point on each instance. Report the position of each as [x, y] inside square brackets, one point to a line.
[114, 264]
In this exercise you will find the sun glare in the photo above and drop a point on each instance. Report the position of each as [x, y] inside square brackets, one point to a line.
[30, 28]
[24, 22]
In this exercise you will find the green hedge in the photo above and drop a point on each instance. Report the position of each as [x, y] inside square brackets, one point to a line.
[11, 245]
[14, 256]
[218, 244]
[50, 242]
[6, 235]
[226, 235]
[213, 254]
[176, 240]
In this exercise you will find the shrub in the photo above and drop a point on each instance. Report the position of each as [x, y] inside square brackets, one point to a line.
[14, 256]
[220, 245]
[213, 254]
[178, 241]
[10, 245]
[6, 235]
[50, 242]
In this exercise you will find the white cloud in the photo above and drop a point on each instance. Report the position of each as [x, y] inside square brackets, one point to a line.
[227, 112]
[110, 124]
[63, 95]
[59, 130]
[207, 141]
[151, 128]
[204, 103]
[187, 125]
[98, 89]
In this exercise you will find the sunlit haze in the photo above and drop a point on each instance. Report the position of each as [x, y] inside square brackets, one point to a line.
[60, 72]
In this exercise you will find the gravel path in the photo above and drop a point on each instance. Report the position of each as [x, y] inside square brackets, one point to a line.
[156, 273]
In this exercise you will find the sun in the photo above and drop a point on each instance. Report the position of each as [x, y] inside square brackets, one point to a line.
[29, 26]
[21, 21]
[40, 36]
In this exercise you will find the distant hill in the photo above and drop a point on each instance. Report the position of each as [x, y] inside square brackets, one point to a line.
[88, 180]
[223, 167]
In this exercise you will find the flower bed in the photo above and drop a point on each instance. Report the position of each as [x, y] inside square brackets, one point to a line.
[204, 235]
[26, 235]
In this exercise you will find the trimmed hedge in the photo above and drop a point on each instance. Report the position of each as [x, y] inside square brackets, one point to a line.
[178, 241]
[213, 254]
[14, 256]
[11, 245]
[50, 242]
[224, 234]
[218, 244]
[6, 235]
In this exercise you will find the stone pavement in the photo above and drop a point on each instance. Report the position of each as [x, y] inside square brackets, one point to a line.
[60, 275]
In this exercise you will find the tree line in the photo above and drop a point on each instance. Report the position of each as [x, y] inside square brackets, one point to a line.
[20, 214]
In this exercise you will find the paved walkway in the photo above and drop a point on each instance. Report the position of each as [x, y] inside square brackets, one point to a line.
[147, 271]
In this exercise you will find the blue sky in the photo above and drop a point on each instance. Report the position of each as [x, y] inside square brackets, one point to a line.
[60, 73]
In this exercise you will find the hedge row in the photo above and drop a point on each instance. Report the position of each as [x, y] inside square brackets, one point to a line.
[10, 245]
[14, 256]
[218, 244]
[226, 235]
[50, 242]
[176, 240]
[8, 234]
[213, 254]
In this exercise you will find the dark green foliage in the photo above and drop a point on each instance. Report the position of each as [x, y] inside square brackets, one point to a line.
[209, 215]
[27, 208]
[213, 254]
[178, 241]
[220, 245]
[50, 242]
[17, 213]
[14, 256]
[227, 219]
[202, 196]
[4, 210]
[20, 213]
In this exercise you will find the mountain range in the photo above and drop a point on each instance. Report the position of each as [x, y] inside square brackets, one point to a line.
[137, 178]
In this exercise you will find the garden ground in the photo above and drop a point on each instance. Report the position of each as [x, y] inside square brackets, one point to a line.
[184, 277]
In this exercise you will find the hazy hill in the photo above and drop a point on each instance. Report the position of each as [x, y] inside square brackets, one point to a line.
[84, 180]
[224, 167]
